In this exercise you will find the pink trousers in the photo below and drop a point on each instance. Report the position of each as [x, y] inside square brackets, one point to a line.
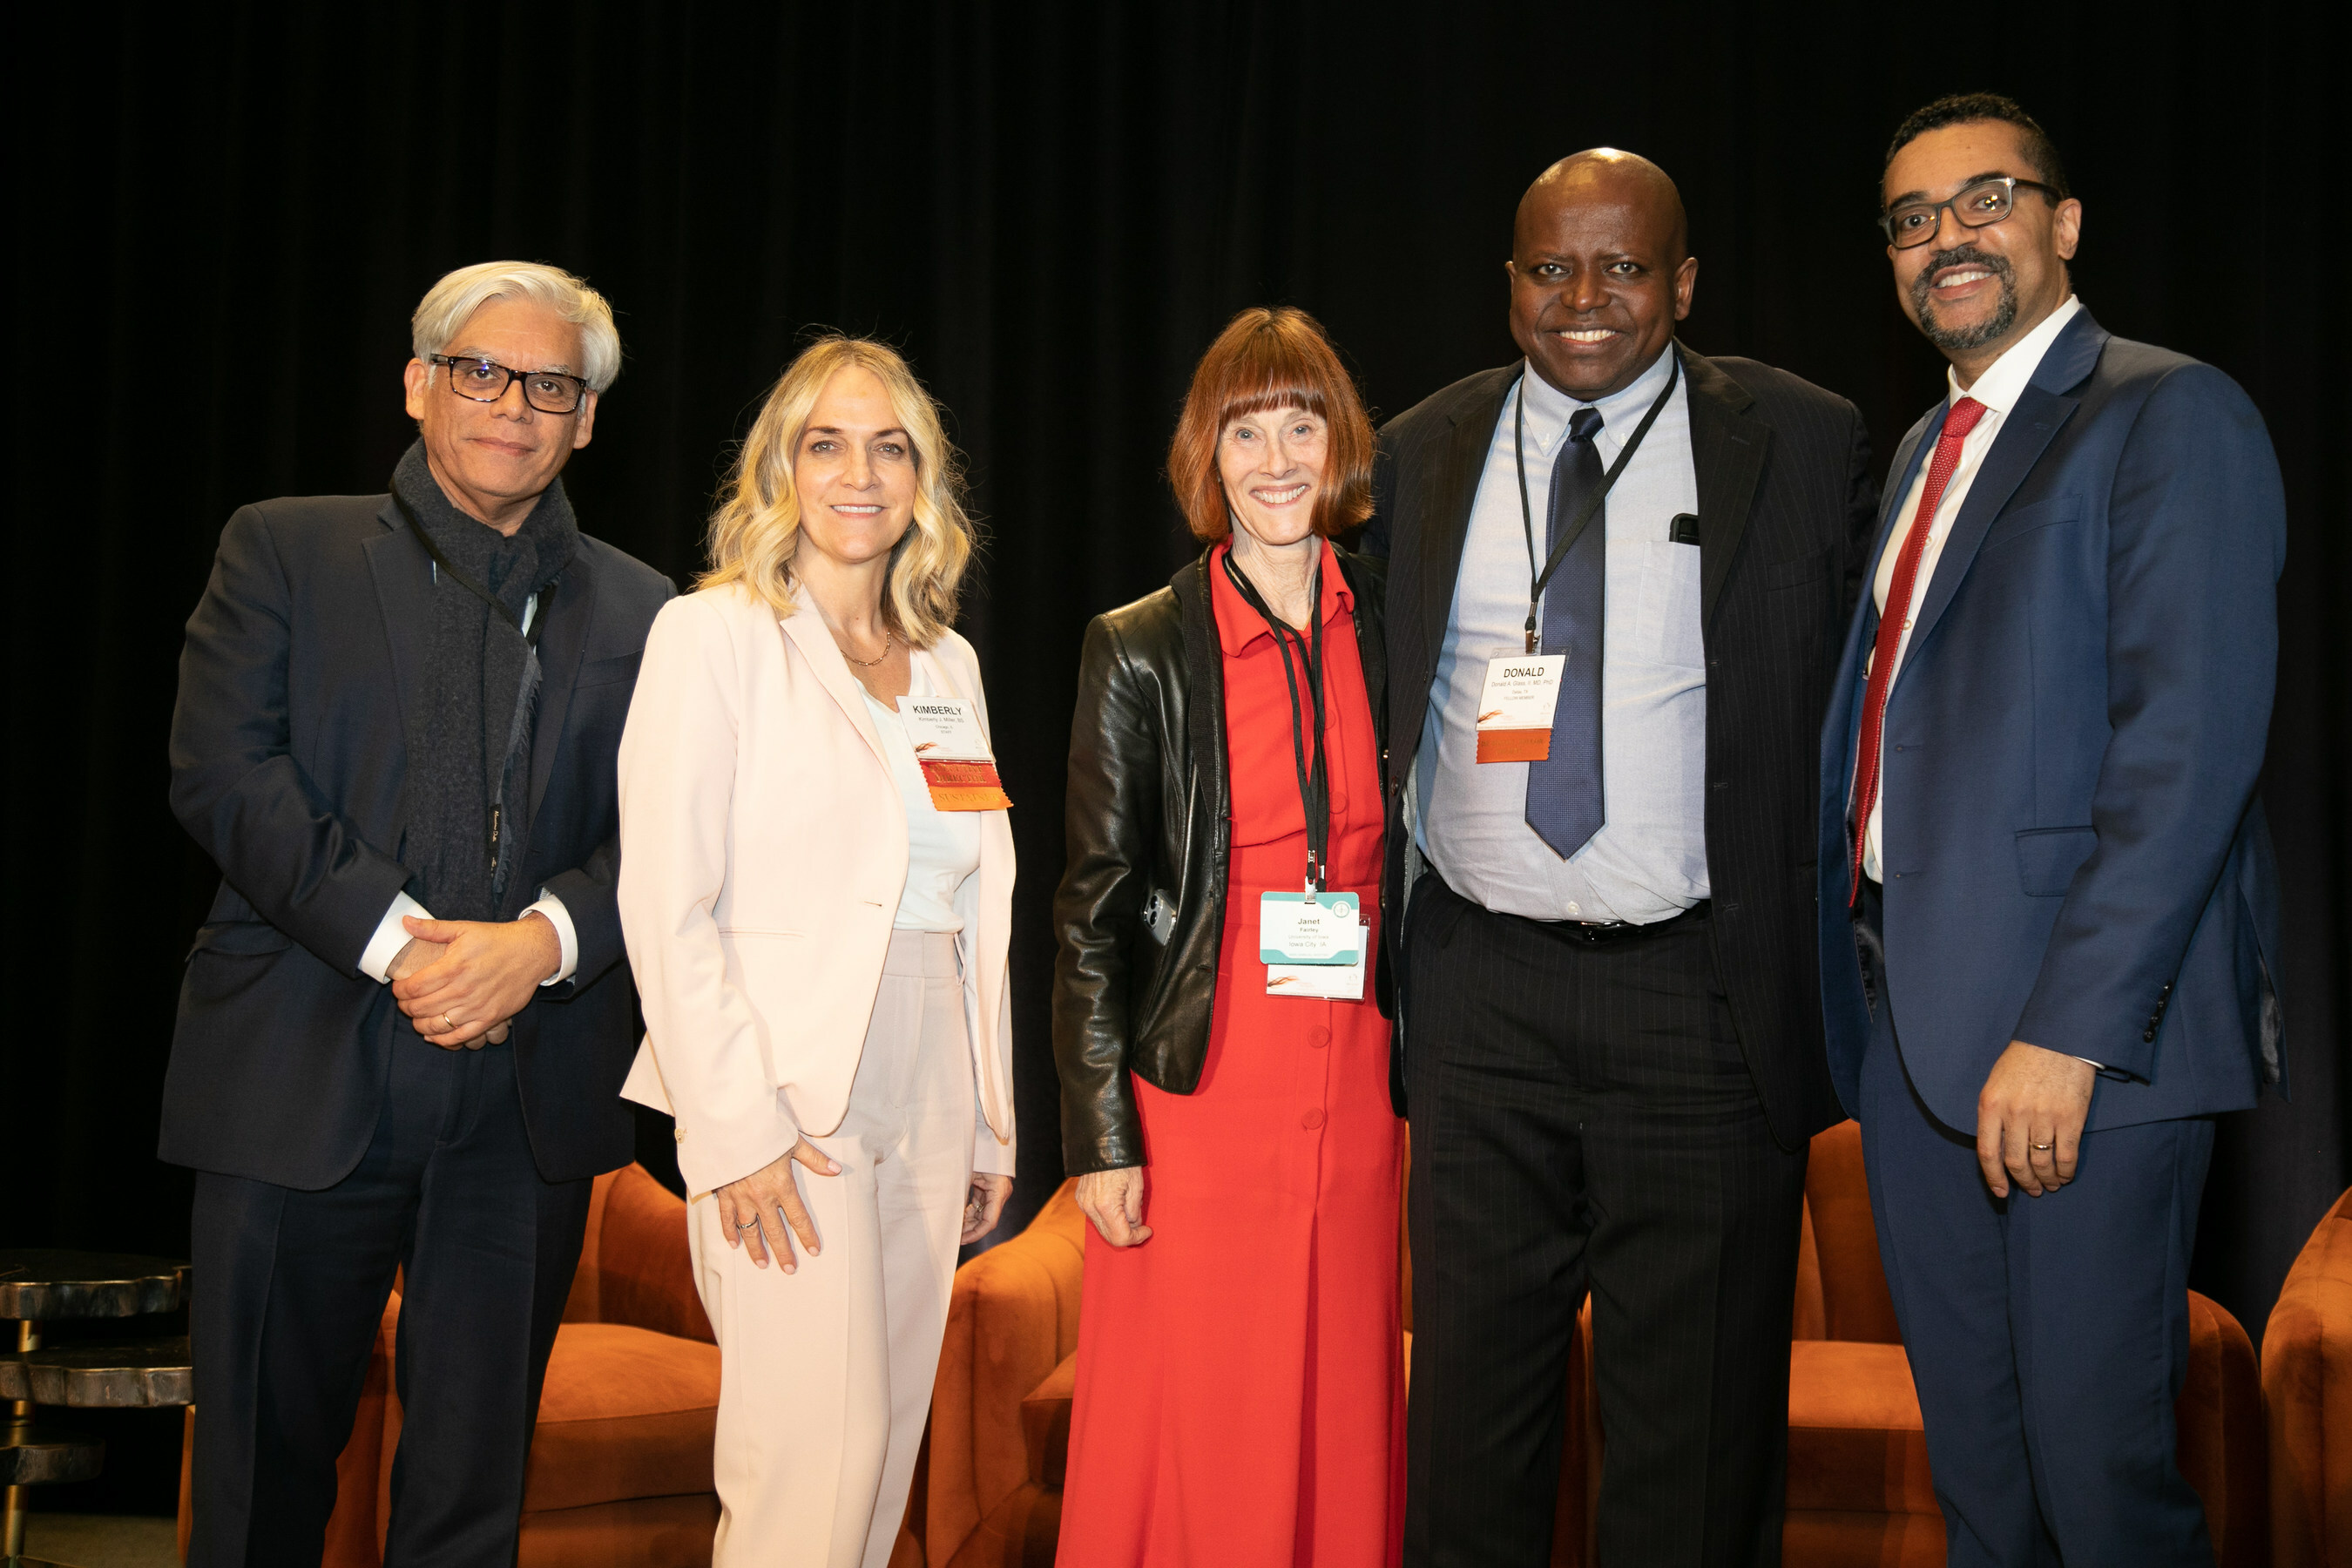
[826, 1372]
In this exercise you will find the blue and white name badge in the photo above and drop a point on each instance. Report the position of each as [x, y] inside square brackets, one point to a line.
[1309, 928]
[1332, 982]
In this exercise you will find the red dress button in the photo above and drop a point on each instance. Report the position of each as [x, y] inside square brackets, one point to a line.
[1311, 1120]
[1318, 1037]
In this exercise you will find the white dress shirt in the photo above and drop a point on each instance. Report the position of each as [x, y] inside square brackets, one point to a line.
[1648, 861]
[1998, 388]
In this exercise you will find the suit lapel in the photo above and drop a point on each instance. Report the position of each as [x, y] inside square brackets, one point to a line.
[807, 630]
[403, 591]
[1453, 490]
[1727, 448]
[568, 610]
[2025, 432]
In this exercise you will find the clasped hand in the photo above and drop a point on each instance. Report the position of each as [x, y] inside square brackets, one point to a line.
[460, 981]
[2030, 1119]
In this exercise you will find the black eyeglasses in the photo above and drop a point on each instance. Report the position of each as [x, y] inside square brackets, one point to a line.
[1980, 205]
[485, 381]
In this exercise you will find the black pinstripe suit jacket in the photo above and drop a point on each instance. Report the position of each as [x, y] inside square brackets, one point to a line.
[1786, 507]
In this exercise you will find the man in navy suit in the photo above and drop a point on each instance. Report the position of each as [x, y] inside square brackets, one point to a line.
[2048, 905]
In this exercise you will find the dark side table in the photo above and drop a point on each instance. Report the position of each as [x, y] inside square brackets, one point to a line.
[39, 1284]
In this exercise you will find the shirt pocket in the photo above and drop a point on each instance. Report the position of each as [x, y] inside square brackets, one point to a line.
[1668, 630]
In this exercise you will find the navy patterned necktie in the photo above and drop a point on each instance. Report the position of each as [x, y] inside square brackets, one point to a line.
[1564, 800]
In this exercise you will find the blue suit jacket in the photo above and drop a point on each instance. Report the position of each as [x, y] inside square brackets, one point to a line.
[2073, 854]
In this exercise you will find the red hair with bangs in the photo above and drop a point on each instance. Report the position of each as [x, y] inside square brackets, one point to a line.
[1268, 359]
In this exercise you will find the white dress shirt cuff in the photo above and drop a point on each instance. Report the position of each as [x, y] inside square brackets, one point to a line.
[567, 936]
[375, 959]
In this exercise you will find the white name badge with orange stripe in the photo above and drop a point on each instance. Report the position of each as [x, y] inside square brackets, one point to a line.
[1515, 709]
[954, 755]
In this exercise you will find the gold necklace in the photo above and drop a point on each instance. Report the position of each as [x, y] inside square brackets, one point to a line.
[878, 658]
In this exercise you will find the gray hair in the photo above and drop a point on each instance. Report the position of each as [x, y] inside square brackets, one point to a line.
[450, 303]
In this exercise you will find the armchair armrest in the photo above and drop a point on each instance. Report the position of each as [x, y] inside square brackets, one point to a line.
[2307, 1372]
[635, 1265]
[1046, 1423]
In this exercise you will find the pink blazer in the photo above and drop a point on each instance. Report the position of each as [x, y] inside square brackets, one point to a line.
[763, 849]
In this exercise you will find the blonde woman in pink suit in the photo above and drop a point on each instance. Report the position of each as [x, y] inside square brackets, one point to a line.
[818, 927]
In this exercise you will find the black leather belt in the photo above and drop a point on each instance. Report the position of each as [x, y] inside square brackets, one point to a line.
[1599, 931]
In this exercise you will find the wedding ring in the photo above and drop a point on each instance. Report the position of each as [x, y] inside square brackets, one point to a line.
[2041, 1145]
[751, 1224]
[448, 1023]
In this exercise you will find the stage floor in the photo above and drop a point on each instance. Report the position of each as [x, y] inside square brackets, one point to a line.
[102, 1541]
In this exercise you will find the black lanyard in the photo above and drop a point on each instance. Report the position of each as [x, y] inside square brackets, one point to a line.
[1315, 774]
[539, 623]
[1608, 483]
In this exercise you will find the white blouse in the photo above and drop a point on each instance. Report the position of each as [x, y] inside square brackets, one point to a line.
[942, 846]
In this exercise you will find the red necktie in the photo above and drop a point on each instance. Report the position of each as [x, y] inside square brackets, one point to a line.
[1897, 616]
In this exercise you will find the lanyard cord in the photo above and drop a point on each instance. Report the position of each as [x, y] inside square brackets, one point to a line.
[1314, 776]
[1608, 483]
[539, 623]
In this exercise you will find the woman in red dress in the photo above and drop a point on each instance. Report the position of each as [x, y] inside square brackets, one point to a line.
[1240, 1380]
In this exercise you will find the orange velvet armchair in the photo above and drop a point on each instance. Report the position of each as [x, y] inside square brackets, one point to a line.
[2307, 1392]
[620, 1469]
[1000, 1436]
[1858, 1491]
[992, 1488]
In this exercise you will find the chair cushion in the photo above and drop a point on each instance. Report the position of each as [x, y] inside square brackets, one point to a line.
[1855, 1440]
[628, 1413]
[643, 1533]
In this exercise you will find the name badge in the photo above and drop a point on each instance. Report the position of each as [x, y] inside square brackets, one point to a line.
[1515, 709]
[1332, 981]
[1314, 929]
[957, 763]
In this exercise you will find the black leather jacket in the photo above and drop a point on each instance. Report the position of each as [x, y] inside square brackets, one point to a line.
[1141, 908]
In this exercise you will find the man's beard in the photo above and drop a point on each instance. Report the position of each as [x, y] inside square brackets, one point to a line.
[1959, 340]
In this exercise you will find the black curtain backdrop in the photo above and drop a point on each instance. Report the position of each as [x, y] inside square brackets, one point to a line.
[224, 215]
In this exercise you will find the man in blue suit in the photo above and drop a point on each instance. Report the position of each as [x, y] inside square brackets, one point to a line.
[2048, 906]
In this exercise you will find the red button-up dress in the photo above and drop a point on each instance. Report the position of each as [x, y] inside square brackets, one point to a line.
[1240, 1394]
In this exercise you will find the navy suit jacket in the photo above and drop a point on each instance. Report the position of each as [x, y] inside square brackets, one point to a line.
[299, 690]
[2073, 851]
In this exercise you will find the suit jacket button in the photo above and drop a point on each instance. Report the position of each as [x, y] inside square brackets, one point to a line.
[2148, 1036]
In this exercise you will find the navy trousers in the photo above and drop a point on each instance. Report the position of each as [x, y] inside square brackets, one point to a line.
[289, 1286]
[2049, 1336]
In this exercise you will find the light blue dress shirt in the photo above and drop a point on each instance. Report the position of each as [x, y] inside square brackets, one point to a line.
[1648, 862]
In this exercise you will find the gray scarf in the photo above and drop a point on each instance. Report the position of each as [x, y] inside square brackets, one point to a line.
[481, 681]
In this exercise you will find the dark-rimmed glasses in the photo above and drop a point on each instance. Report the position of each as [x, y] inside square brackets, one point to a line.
[485, 381]
[1980, 206]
